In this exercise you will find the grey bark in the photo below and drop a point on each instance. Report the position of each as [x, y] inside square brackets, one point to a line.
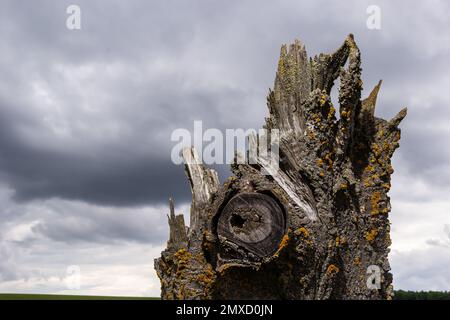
[311, 229]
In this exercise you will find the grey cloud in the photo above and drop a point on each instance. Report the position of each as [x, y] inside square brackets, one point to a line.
[154, 71]
[8, 267]
[106, 228]
[419, 269]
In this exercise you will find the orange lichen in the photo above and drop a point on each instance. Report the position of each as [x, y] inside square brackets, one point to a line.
[206, 277]
[319, 162]
[283, 243]
[182, 258]
[374, 203]
[302, 231]
[332, 269]
[328, 159]
[371, 235]
[344, 114]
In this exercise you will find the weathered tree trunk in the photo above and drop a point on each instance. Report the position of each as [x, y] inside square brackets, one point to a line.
[312, 228]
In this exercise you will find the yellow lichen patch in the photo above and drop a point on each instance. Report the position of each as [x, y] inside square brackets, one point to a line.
[322, 174]
[323, 100]
[332, 269]
[357, 261]
[281, 68]
[316, 118]
[283, 243]
[319, 162]
[376, 150]
[343, 186]
[367, 182]
[302, 231]
[340, 241]
[329, 161]
[182, 254]
[344, 114]
[183, 257]
[206, 277]
[331, 113]
[371, 235]
[386, 186]
[369, 168]
[374, 203]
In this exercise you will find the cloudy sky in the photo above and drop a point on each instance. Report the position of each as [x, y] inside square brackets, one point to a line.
[86, 117]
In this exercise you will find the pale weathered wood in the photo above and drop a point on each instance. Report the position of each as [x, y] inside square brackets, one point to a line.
[253, 221]
[204, 183]
[178, 236]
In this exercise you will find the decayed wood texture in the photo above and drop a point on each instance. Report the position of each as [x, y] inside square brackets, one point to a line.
[311, 228]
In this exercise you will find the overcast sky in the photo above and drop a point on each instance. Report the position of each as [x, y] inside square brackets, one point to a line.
[86, 117]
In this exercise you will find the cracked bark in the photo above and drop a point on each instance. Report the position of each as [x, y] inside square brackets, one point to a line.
[310, 229]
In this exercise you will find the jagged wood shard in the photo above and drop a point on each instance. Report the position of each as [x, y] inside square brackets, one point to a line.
[313, 226]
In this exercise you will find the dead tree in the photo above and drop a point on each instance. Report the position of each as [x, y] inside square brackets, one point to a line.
[313, 228]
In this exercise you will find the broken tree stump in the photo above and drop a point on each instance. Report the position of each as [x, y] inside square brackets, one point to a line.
[314, 226]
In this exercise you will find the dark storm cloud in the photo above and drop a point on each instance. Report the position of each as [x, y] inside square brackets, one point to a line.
[152, 69]
[145, 104]
[97, 176]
